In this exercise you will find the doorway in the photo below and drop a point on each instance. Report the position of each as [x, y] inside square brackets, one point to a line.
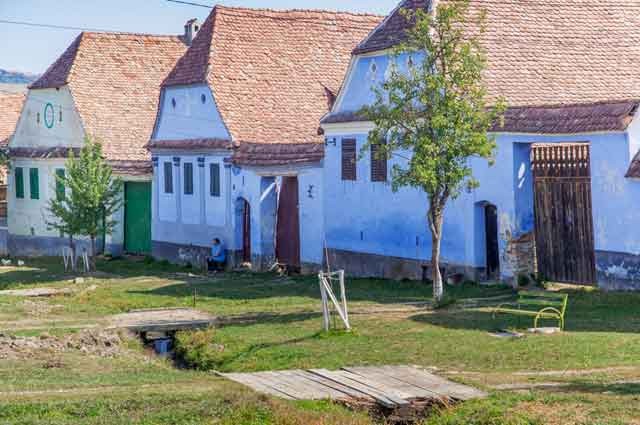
[245, 218]
[563, 212]
[491, 241]
[137, 217]
[288, 224]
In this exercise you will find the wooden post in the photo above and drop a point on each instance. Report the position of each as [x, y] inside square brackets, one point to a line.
[325, 305]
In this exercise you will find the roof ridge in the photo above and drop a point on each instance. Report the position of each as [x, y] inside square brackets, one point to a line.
[132, 34]
[577, 104]
[64, 61]
[294, 10]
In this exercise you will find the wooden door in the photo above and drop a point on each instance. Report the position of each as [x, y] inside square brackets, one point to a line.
[563, 215]
[491, 235]
[246, 232]
[288, 224]
[137, 217]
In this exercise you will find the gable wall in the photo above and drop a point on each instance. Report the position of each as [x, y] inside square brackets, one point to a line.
[68, 132]
[190, 118]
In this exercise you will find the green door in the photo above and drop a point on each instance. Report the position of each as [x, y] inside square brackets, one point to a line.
[137, 218]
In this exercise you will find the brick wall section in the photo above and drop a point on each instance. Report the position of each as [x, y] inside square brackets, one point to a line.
[521, 255]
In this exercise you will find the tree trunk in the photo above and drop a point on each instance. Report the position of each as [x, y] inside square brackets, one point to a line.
[92, 262]
[435, 225]
[72, 245]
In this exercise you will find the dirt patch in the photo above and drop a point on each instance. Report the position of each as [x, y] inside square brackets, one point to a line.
[92, 342]
[46, 292]
[39, 308]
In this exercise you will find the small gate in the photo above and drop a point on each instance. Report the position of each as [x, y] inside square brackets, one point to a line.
[563, 215]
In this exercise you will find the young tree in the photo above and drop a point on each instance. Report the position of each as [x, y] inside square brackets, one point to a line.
[437, 110]
[94, 195]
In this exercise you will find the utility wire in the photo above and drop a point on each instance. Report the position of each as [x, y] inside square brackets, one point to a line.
[191, 3]
[58, 27]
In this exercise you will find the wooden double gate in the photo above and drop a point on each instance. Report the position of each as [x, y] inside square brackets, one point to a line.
[563, 215]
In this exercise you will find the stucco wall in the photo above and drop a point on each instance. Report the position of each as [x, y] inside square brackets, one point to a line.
[50, 131]
[191, 117]
[368, 217]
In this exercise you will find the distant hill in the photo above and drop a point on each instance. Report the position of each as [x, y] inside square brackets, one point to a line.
[13, 77]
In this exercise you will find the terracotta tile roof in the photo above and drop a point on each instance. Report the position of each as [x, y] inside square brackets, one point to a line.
[634, 168]
[392, 30]
[547, 119]
[273, 73]
[567, 119]
[10, 108]
[42, 153]
[190, 144]
[115, 81]
[550, 52]
[265, 154]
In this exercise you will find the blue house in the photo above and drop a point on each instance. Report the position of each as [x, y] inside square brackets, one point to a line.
[236, 150]
[562, 197]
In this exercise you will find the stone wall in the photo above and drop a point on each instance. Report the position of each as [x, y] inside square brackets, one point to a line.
[520, 255]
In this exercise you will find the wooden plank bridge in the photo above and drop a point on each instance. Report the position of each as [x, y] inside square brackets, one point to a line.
[390, 386]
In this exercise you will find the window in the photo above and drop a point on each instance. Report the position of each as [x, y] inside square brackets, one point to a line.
[349, 159]
[214, 180]
[34, 183]
[188, 178]
[378, 163]
[59, 184]
[203, 98]
[168, 177]
[19, 183]
[173, 102]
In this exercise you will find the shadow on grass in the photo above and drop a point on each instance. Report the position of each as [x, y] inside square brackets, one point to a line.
[251, 319]
[587, 311]
[245, 286]
[621, 388]
[49, 270]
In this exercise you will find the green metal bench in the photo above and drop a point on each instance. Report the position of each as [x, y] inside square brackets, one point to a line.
[540, 305]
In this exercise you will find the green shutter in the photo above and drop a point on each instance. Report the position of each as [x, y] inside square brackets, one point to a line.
[34, 183]
[19, 183]
[188, 178]
[214, 179]
[168, 177]
[60, 184]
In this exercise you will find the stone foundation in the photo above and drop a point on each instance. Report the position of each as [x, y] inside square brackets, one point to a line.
[47, 246]
[359, 264]
[618, 271]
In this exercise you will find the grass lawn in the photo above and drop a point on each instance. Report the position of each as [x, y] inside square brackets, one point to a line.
[274, 323]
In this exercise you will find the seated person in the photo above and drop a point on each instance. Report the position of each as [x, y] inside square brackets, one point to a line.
[218, 258]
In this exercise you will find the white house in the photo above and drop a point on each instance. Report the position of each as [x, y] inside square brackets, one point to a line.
[104, 86]
[236, 149]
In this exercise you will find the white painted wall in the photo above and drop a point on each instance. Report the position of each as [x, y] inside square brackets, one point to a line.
[190, 117]
[47, 133]
[27, 217]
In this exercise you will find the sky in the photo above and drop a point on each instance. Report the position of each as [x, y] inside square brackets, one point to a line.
[30, 49]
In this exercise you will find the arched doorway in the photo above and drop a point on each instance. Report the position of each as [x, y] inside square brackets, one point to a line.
[243, 229]
[491, 241]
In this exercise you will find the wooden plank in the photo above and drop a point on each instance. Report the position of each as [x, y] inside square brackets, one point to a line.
[321, 389]
[379, 375]
[280, 383]
[434, 383]
[386, 400]
[303, 388]
[348, 391]
[383, 385]
[256, 384]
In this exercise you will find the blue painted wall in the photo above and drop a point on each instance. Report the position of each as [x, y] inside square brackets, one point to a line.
[371, 218]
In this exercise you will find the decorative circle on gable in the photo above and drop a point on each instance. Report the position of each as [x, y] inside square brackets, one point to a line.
[49, 115]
